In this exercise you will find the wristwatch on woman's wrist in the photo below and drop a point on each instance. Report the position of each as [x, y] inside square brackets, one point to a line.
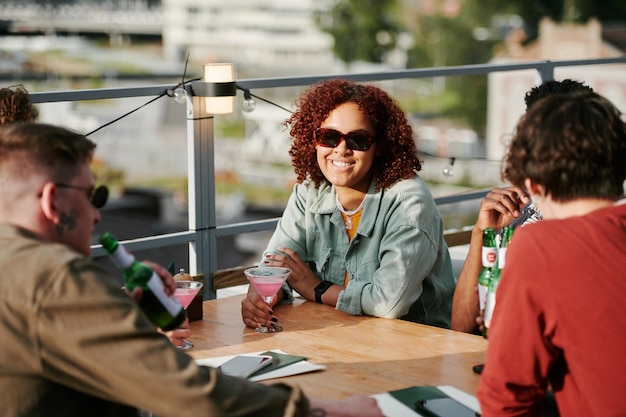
[321, 289]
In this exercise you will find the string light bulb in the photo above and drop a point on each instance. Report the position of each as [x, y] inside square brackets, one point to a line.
[248, 104]
[448, 171]
[180, 95]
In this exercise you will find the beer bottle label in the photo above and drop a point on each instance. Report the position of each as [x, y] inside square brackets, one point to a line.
[489, 256]
[171, 304]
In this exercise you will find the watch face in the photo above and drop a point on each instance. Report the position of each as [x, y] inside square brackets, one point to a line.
[321, 289]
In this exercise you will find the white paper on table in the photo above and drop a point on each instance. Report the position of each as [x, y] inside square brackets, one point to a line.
[300, 367]
[391, 407]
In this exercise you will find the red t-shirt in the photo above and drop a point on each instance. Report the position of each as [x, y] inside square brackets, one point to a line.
[561, 319]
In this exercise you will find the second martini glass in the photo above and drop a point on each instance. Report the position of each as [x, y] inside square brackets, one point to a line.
[267, 280]
[186, 290]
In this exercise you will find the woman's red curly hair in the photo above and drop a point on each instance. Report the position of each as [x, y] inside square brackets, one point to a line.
[15, 106]
[396, 156]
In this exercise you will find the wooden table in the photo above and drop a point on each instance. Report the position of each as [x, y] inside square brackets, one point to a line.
[363, 355]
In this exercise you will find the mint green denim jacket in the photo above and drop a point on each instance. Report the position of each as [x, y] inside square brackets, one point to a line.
[398, 262]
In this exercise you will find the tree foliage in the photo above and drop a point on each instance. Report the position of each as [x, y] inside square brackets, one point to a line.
[364, 30]
[440, 40]
[532, 11]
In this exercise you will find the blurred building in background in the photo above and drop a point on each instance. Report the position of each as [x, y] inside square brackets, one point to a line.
[258, 35]
[556, 42]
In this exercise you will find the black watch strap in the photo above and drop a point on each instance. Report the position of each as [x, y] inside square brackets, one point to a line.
[321, 289]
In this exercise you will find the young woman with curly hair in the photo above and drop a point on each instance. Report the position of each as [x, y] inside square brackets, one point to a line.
[361, 231]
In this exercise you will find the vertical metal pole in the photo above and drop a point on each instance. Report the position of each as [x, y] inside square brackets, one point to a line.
[546, 71]
[201, 190]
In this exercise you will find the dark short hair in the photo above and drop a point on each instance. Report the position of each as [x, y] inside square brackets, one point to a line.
[38, 147]
[553, 87]
[573, 144]
[396, 156]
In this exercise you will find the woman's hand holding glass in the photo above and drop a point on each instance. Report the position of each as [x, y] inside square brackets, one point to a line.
[255, 312]
[267, 282]
[301, 279]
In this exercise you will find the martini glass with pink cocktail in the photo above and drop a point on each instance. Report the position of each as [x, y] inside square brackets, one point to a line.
[267, 280]
[186, 290]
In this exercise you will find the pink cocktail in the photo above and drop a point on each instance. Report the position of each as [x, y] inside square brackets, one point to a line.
[267, 280]
[267, 286]
[185, 292]
[186, 296]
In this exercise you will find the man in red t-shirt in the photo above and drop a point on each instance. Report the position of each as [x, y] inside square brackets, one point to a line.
[560, 314]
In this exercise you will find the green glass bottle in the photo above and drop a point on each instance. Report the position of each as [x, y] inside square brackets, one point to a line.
[164, 311]
[505, 240]
[491, 297]
[489, 258]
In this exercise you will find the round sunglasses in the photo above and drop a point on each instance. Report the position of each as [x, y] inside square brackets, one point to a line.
[97, 196]
[357, 141]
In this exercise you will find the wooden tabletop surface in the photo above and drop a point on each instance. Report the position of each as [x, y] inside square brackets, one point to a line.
[362, 355]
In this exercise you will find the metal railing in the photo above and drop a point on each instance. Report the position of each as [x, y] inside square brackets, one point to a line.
[203, 230]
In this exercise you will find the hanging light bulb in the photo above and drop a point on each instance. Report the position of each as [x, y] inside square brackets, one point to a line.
[248, 104]
[180, 95]
[448, 171]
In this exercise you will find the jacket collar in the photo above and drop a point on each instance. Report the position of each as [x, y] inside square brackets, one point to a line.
[326, 203]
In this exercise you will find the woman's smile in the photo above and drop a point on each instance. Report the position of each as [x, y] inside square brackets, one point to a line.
[341, 165]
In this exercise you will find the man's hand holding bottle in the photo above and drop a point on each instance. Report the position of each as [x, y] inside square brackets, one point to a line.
[183, 331]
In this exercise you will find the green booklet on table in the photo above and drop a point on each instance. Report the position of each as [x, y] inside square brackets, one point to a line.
[282, 365]
[428, 401]
[279, 360]
[408, 396]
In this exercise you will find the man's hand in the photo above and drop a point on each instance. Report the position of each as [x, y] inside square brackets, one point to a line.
[480, 321]
[500, 207]
[176, 336]
[169, 284]
[166, 277]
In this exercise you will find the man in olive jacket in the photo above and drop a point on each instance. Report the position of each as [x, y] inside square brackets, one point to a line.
[73, 342]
